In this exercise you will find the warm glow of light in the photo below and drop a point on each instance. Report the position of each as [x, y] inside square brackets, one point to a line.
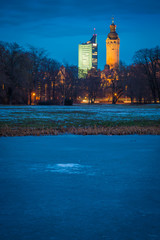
[33, 94]
[85, 101]
[115, 94]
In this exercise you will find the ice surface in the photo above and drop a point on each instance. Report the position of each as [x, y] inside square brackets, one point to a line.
[80, 187]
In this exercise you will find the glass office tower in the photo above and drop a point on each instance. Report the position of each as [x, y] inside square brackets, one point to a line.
[87, 56]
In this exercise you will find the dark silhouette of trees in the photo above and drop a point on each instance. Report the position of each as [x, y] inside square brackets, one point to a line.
[23, 74]
[93, 84]
[137, 85]
[71, 83]
[113, 82]
[149, 61]
[37, 70]
[14, 63]
[30, 77]
[118, 82]
[47, 80]
[3, 78]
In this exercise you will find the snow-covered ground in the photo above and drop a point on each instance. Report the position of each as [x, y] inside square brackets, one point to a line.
[96, 112]
[80, 187]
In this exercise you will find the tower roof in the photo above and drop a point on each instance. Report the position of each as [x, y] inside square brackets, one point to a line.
[113, 35]
[93, 38]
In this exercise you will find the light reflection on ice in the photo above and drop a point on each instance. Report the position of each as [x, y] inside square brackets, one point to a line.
[68, 168]
[69, 165]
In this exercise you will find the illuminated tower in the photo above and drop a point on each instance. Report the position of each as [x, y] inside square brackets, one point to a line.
[112, 47]
[87, 56]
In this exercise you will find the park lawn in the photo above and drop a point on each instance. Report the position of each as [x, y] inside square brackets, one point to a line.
[79, 119]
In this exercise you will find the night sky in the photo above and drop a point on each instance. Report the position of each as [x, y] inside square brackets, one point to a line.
[59, 26]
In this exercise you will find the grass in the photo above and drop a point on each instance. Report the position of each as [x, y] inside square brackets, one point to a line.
[16, 121]
[75, 126]
[72, 122]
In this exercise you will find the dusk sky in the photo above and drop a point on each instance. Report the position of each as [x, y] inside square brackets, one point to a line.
[59, 26]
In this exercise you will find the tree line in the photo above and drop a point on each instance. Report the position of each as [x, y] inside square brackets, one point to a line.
[30, 77]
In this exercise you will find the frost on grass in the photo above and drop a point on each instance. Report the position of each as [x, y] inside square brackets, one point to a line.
[79, 119]
[92, 112]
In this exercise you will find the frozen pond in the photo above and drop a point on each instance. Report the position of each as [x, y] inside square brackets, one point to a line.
[93, 112]
[80, 187]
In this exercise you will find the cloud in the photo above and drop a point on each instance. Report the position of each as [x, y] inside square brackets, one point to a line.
[36, 10]
[59, 25]
[52, 18]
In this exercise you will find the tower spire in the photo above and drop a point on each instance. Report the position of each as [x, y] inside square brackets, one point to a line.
[94, 31]
[112, 20]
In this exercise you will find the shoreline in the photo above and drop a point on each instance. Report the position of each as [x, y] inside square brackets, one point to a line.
[121, 130]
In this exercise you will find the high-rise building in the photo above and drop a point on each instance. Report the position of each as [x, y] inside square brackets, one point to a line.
[87, 56]
[112, 47]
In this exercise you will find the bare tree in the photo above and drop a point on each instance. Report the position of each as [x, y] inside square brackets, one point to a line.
[4, 83]
[137, 85]
[149, 59]
[14, 69]
[93, 84]
[114, 82]
[37, 57]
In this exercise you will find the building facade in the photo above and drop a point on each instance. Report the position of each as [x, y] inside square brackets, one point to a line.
[87, 56]
[112, 47]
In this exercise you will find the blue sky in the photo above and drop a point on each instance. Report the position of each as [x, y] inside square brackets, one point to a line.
[59, 26]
